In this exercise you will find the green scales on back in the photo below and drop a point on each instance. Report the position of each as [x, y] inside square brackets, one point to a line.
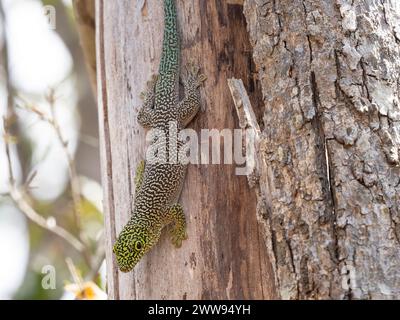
[159, 184]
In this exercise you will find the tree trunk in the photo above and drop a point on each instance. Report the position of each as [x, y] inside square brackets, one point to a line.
[225, 255]
[330, 182]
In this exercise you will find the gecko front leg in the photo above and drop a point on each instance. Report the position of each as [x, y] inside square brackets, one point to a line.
[146, 113]
[139, 175]
[190, 105]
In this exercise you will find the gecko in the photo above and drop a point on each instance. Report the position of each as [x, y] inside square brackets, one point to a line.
[158, 184]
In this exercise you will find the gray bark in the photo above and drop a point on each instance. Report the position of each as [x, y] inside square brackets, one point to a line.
[330, 183]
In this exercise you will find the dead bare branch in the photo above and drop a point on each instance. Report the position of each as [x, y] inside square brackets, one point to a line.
[19, 198]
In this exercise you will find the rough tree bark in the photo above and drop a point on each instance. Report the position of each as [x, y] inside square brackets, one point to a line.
[225, 256]
[330, 182]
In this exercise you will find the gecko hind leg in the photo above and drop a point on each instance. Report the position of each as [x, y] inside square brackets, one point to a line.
[178, 230]
[190, 105]
[193, 78]
[150, 89]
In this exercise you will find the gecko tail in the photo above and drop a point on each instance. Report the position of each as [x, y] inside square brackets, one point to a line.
[171, 46]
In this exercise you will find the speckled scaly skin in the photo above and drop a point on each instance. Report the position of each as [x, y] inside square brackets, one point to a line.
[158, 185]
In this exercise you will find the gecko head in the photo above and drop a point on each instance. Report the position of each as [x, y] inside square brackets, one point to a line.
[132, 244]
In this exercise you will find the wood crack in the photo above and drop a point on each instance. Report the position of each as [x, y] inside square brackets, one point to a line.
[107, 142]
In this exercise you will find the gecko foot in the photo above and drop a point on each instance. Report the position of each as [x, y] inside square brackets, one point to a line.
[193, 77]
[178, 230]
[177, 236]
[150, 87]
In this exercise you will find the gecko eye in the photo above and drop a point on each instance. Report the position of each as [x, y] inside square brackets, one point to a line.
[138, 245]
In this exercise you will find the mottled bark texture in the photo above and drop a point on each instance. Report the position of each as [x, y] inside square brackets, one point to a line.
[224, 256]
[330, 182]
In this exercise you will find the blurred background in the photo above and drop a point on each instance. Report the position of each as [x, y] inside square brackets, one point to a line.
[51, 223]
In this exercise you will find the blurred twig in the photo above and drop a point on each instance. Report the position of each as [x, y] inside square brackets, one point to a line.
[49, 224]
[5, 62]
[98, 258]
[74, 273]
[52, 120]
[7, 138]
[14, 128]
[19, 198]
[73, 176]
